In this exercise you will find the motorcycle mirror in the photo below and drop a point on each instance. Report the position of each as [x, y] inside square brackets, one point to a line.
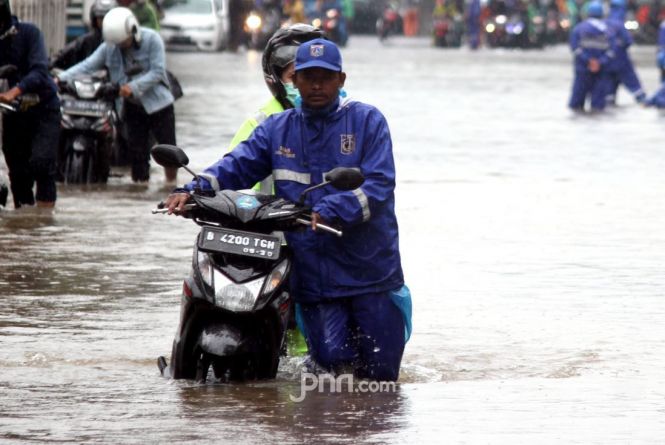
[8, 70]
[169, 155]
[172, 156]
[343, 178]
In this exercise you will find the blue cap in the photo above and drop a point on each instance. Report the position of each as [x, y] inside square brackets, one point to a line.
[594, 9]
[618, 3]
[319, 53]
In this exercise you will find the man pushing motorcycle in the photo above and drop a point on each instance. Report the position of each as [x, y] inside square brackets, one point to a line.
[353, 306]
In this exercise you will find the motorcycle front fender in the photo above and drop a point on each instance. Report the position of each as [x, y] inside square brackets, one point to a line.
[222, 339]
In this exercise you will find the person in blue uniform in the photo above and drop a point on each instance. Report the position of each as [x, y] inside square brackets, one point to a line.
[620, 68]
[354, 306]
[592, 50]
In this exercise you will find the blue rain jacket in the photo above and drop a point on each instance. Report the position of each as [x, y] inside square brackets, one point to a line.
[298, 147]
[590, 39]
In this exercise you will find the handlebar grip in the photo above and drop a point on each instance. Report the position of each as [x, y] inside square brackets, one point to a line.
[322, 227]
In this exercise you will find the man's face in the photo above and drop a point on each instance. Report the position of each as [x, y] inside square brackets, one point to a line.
[318, 87]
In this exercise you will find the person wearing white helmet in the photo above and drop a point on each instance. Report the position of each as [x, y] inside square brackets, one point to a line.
[81, 47]
[135, 59]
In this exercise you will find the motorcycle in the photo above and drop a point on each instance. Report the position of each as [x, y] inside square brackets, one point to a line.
[89, 123]
[507, 32]
[235, 305]
[389, 22]
[261, 24]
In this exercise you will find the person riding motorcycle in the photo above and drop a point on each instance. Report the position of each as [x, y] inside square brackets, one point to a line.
[80, 48]
[30, 136]
[147, 106]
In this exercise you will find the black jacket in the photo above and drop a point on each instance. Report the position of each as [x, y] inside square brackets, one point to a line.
[26, 50]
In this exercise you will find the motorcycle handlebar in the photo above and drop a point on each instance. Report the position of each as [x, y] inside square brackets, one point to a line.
[323, 227]
[161, 209]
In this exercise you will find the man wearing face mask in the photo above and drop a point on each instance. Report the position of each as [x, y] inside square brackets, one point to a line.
[354, 306]
[278, 68]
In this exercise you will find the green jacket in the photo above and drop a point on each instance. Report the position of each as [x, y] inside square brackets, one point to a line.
[146, 14]
[247, 128]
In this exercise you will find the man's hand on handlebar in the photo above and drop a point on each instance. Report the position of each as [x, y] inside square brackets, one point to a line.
[175, 202]
[11, 95]
[316, 219]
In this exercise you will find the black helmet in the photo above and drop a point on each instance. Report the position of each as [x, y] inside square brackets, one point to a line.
[5, 16]
[280, 51]
[99, 9]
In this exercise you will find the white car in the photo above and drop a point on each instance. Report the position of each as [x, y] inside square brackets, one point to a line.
[200, 23]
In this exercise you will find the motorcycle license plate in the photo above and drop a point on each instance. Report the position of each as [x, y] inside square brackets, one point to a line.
[84, 107]
[255, 245]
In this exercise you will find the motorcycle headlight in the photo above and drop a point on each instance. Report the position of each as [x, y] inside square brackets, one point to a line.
[85, 90]
[501, 19]
[247, 296]
[632, 25]
[253, 22]
[490, 27]
[234, 296]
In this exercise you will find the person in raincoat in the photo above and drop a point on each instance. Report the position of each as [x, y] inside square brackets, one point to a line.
[278, 63]
[355, 308]
[621, 68]
[592, 50]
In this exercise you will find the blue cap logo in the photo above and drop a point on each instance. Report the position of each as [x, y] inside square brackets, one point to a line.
[316, 50]
[318, 53]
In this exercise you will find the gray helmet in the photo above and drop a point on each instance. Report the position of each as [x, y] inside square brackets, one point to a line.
[280, 51]
[99, 9]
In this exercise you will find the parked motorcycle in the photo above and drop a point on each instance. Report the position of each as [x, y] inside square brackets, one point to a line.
[235, 304]
[88, 124]
[390, 22]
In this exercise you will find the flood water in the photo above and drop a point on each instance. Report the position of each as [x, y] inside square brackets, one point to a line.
[533, 242]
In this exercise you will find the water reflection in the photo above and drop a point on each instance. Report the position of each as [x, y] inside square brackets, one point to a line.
[321, 417]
